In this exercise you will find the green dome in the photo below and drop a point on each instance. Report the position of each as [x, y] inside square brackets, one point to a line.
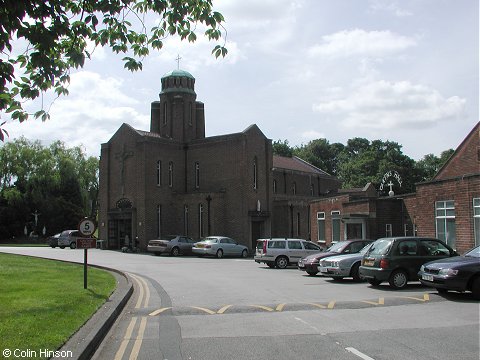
[181, 73]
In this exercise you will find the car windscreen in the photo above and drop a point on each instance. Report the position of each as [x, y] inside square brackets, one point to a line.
[338, 247]
[475, 252]
[380, 247]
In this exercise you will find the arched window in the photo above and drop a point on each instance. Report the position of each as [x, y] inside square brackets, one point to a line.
[255, 173]
[190, 114]
[200, 221]
[185, 220]
[274, 186]
[294, 188]
[170, 173]
[159, 173]
[197, 175]
[165, 113]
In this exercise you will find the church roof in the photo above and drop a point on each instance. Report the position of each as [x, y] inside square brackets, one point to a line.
[178, 72]
[296, 164]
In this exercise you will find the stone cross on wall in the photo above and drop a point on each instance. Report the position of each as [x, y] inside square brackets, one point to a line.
[124, 155]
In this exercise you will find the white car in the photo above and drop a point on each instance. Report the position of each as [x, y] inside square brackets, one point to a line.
[219, 246]
[68, 238]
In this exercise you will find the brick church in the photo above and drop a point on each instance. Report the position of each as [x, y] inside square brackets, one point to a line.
[175, 180]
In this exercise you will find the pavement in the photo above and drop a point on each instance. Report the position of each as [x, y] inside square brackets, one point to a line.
[87, 339]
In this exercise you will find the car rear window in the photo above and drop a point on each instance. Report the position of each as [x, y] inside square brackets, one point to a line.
[380, 247]
[274, 244]
[297, 245]
[210, 240]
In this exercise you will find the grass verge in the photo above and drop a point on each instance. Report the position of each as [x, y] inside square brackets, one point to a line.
[43, 302]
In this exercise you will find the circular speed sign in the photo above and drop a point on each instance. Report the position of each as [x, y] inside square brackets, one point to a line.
[86, 227]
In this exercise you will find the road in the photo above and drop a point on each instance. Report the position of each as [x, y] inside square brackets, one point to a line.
[204, 308]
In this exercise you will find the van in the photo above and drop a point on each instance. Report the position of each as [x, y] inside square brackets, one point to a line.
[281, 252]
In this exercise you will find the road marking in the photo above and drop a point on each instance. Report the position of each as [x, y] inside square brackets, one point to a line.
[381, 301]
[331, 304]
[159, 311]
[138, 341]
[223, 309]
[358, 353]
[280, 307]
[266, 308]
[144, 291]
[426, 297]
[208, 311]
[128, 335]
[318, 305]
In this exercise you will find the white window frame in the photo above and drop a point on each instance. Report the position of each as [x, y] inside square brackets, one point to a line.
[476, 220]
[320, 217]
[388, 230]
[336, 217]
[443, 213]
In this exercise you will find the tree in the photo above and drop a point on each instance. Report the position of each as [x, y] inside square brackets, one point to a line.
[282, 148]
[321, 154]
[429, 165]
[56, 36]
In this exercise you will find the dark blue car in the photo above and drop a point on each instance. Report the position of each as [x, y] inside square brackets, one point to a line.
[459, 273]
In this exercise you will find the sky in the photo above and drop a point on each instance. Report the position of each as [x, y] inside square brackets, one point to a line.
[394, 70]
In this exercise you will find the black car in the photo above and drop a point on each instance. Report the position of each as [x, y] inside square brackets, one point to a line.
[398, 259]
[461, 273]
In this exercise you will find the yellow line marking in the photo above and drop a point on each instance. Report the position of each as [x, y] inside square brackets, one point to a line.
[223, 309]
[280, 307]
[381, 301]
[147, 292]
[128, 335]
[159, 311]
[331, 304]
[138, 341]
[317, 305]
[141, 294]
[426, 297]
[266, 308]
[203, 309]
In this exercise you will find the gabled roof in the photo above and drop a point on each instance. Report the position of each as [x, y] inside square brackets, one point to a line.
[296, 164]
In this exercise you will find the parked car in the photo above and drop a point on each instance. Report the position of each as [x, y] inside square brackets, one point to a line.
[68, 238]
[53, 240]
[171, 244]
[460, 273]
[398, 259]
[219, 246]
[342, 266]
[310, 263]
[281, 252]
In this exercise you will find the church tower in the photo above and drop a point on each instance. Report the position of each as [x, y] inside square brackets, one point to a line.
[178, 115]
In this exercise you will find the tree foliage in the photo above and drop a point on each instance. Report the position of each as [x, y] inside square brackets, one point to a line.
[41, 41]
[60, 183]
[361, 161]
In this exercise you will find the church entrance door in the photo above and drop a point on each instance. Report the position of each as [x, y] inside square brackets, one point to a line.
[257, 232]
[118, 230]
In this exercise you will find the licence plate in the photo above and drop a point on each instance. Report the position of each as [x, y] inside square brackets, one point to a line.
[427, 277]
[368, 262]
[324, 270]
[200, 246]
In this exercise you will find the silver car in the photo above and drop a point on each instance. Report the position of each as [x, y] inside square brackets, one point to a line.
[342, 266]
[219, 246]
[171, 244]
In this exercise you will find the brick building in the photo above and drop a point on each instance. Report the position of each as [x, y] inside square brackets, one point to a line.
[174, 180]
[446, 207]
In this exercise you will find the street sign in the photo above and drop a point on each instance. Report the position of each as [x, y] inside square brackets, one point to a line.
[86, 243]
[86, 227]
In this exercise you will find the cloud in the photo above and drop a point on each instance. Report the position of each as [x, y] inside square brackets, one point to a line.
[389, 105]
[389, 6]
[358, 42]
[312, 135]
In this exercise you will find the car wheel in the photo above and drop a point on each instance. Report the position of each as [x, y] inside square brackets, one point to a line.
[244, 253]
[219, 253]
[62, 247]
[354, 272]
[73, 245]
[398, 279]
[312, 273]
[476, 288]
[442, 291]
[175, 251]
[281, 262]
[52, 246]
[374, 282]
[271, 265]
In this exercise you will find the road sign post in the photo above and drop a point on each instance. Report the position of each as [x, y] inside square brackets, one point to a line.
[87, 229]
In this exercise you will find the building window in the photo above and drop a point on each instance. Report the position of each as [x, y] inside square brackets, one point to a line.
[159, 221]
[165, 112]
[159, 173]
[200, 221]
[255, 173]
[274, 186]
[190, 114]
[335, 226]
[405, 230]
[321, 226]
[294, 188]
[312, 189]
[197, 175]
[445, 221]
[476, 220]
[185, 220]
[170, 173]
[388, 230]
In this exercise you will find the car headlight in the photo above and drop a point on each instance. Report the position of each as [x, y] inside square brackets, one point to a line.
[422, 268]
[448, 272]
[334, 263]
